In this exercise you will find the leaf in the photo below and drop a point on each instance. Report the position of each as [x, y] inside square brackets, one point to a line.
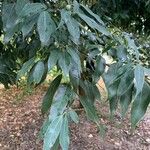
[26, 67]
[48, 98]
[52, 133]
[38, 71]
[73, 115]
[91, 23]
[74, 75]
[64, 134]
[90, 110]
[125, 100]
[53, 58]
[100, 65]
[112, 96]
[139, 78]
[122, 53]
[28, 25]
[20, 5]
[64, 63]
[75, 56]
[62, 97]
[10, 21]
[131, 44]
[72, 26]
[46, 27]
[126, 82]
[93, 15]
[140, 105]
[31, 9]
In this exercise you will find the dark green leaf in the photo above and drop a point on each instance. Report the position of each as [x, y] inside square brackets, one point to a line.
[52, 133]
[48, 98]
[93, 15]
[64, 134]
[26, 67]
[74, 116]
[139, 78]
[38, 71]
[31, 9]
[72, 26]
[125, 82]
[140, 104]
[53, 58]
[46, 27]
[91, 23]
[20, 5]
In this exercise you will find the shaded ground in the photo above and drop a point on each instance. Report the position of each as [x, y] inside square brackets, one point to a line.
[20, 121]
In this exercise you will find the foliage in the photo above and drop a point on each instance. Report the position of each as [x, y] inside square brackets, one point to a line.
[39, 36]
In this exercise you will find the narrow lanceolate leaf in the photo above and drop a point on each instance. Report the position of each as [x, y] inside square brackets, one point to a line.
[64, 134]
[73, 115]
[38, 71]
[139, 78]
[52, 133]
[93, 24]
[99, 68]
[75, 57]
[125, 82]
[72, 26]
[31, 9]
[48, 98]
[46, 27]
[53, 58]
[90, 110]
[93, 15]
[26, 67]
[64, 63]
[140, 104]
[125, 100]
[20, 5]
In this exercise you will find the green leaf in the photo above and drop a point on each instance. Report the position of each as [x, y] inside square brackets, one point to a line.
[75, 57]
[46, 27]
[64, 134]
[31, 9]
[96, 17]
[62, 97]
[112, 96]
[74, 75]
[26, 67]
[126, 82]
[72, 26]
[73, 115]
[139, 78]
[125, 100]
[131, 44]
[64, 63]
[90, 110]
[100, 65]
[91, 23]
[52, 133]
[38, 71]
[20, 5]
[140, 104]
[53, 58]
[48, 98]
[28, 25]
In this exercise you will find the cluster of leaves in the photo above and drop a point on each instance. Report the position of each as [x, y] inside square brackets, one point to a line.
[70, 37]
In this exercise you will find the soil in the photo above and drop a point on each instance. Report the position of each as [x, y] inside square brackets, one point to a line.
[21, 119]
